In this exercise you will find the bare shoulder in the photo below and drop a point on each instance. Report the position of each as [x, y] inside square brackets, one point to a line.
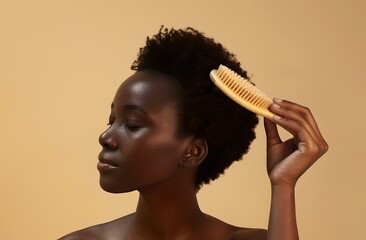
[248, 233]
[102, 231]
[82, 235]
[222, 230]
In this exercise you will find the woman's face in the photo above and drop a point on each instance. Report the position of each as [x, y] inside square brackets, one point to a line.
[140, 147]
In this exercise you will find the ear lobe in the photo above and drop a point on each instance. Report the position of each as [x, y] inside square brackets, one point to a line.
[195, 153]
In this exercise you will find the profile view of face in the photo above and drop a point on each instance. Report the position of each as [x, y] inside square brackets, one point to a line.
[140, 147]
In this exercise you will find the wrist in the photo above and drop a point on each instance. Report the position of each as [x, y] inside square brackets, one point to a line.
[283, 187]
[278, 182]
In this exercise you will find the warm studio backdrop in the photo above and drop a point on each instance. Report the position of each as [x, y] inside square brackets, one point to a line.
[61, 62]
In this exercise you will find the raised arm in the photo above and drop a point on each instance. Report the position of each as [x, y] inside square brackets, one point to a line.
[287, 161]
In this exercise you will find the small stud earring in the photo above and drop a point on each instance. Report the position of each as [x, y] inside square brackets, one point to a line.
[187, 155]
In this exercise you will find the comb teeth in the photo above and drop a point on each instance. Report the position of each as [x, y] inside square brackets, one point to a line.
[241, 91]
[243, 88]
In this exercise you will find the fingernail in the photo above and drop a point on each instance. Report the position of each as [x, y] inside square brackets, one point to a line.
[277, 100]
[276, 117]
[275, 105]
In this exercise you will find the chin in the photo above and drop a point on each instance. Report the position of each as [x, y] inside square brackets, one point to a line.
[113, 188]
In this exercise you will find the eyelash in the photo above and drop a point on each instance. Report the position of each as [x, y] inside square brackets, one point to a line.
[110, 121]
[130, 127]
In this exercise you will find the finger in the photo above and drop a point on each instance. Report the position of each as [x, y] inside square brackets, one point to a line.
[271, 132]
[305, 141]
[298, 113]
[305, 113]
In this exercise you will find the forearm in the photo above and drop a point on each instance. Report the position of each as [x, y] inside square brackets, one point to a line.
[282, 220]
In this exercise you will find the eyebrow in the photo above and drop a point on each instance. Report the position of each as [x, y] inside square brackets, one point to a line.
[132, 107]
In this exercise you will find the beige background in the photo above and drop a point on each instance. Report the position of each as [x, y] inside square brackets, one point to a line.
[61, 62]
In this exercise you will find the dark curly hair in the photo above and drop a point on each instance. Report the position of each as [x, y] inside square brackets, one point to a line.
[204, 111]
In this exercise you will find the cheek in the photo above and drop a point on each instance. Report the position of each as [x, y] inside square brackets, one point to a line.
[155, 157]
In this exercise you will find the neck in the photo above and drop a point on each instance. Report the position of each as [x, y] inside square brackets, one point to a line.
[167, 212]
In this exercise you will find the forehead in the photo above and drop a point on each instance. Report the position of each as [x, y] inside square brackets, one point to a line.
[148, 89]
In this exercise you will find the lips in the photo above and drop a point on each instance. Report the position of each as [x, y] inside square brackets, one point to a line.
[105, 159]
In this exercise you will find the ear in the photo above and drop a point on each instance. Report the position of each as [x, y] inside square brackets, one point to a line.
[195, 153]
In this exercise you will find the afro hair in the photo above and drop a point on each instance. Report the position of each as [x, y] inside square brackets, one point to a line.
[204, 111]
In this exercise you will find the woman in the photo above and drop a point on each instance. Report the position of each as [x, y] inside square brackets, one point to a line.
[172, 131]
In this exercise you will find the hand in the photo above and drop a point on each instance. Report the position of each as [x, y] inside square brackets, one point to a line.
[288, 160]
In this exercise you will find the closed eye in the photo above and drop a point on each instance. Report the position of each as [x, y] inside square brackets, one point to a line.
[132, 127]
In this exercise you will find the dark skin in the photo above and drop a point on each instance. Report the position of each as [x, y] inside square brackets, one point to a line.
[141, 152]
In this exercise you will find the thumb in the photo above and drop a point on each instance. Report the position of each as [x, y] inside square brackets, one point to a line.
[271, 132]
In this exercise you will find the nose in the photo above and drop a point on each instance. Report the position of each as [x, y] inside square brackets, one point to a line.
[107, 140]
